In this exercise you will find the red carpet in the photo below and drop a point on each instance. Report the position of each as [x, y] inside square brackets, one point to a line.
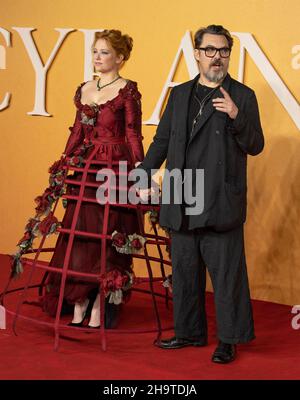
[274, 354]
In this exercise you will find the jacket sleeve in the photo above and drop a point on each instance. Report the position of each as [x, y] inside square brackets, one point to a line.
[76, 136]
[246, 127]
[158, 149]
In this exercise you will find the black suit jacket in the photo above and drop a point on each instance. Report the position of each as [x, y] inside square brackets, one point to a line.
[237, 138]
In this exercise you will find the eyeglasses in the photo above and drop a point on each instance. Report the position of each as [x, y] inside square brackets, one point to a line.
[212, 51]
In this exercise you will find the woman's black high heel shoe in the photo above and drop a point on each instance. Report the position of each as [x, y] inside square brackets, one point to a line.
[112, 313]
[79, 324]
[93, 327]
[86, 316]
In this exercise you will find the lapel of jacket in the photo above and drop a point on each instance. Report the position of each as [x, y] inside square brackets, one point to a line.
[183, 103]
[209, 108]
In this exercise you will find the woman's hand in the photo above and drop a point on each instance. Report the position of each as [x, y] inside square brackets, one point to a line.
[144, 194]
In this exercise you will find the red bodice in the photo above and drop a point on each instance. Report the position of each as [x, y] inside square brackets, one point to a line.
[119, 118]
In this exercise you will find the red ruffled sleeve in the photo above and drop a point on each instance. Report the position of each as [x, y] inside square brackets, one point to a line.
[133, 121]
[76, 131]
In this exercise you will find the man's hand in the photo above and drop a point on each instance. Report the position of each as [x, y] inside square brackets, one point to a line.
[225, 104]
[144, 193]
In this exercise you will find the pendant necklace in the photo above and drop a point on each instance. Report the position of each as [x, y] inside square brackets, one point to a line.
[101, 87]
[202, 104]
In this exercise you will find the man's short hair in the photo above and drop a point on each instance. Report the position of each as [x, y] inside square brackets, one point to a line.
[214, 30]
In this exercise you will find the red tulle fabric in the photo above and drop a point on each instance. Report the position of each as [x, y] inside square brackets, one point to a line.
[117, 120]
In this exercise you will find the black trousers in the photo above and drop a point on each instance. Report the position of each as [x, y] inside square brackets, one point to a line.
[222, 253]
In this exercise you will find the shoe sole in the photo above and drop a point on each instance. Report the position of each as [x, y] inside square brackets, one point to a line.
[223, 362]
[181, 346]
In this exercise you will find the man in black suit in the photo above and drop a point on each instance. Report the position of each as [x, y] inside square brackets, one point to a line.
[210, 123]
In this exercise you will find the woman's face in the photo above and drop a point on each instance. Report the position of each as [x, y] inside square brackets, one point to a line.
[105, 58]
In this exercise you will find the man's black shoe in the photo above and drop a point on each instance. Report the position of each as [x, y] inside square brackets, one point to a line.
[224, 353]
[177, 343]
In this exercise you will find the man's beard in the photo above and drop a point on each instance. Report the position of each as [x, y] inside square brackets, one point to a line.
[215, 76]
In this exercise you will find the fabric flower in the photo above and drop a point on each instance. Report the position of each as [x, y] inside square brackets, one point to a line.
[136, 243]
[25, 238]
[16, 265]
[31, 224]
[76, 161]
[153, 216]
[116, 297]
[167, 283]
[58, 191]
[55, 167]
[58, 178]
[89, 114]
[107, 281]
[89, 111]
[34, 226]
[113, 283]
[42, 204]
[118, 239]
[47, 223]
[127, 244]
[77, 152]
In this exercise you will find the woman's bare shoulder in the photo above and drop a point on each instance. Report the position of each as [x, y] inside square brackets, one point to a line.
[88, 85]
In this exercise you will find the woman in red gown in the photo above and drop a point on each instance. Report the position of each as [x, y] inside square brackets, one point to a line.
[107, 128]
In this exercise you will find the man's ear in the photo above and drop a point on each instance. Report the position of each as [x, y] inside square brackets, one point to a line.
[196, 54]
